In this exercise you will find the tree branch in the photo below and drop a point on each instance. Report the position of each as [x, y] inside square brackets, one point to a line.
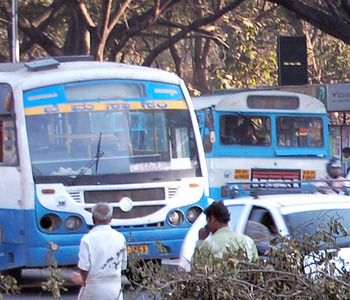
[330, 24]
[186, 30]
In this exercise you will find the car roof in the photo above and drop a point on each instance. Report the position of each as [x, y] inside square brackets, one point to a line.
[291, 201]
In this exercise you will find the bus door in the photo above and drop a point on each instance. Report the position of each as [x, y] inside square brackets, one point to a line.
[206, 126]
[11, 205]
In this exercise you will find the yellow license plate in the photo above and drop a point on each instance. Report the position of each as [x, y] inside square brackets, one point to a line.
[242, 174]
[141, 249]
[309, 174]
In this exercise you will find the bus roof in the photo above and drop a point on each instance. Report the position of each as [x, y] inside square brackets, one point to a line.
[19, 74]
[238, 101]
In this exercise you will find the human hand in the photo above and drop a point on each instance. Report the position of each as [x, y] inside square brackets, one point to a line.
[77, 279]
[203, 233]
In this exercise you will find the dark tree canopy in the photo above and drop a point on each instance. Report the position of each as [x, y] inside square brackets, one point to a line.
[210, 43]
[330, 16]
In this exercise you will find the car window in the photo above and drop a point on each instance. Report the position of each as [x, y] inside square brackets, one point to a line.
[257, 231]
[307, 223]
[263, 216]
[235, 213]
[261, 228]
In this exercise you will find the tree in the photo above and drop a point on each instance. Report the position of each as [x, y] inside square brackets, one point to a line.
[331, 17]
[127, 31]
[210, 43]
[103, 28]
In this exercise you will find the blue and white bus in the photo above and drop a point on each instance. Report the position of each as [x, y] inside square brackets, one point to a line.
[76, 133]
[254, 137]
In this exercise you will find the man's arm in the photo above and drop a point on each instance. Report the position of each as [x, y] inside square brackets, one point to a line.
[84, 261]
[124, 258]
[84, 275]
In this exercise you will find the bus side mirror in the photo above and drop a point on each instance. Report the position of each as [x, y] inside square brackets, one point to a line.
[212, 136]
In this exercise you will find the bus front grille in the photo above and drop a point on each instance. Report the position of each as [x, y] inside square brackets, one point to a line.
[76, 196]
[135, 212]
[114, 196]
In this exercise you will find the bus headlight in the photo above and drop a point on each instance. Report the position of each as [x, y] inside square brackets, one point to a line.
[50, 222]
[176, 217]
[193, 213]
[73, 223]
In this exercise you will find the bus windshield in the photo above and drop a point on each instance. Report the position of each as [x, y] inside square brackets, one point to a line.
[111, 142]
[292, 131]
[110, 129]
[299, 131]
[244, 130]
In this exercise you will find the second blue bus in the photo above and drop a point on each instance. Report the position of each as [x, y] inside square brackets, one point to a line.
[260, 139]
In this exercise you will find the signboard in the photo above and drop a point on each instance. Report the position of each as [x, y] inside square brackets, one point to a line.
[338, 97]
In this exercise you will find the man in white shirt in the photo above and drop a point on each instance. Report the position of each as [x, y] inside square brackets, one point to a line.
[102, 257]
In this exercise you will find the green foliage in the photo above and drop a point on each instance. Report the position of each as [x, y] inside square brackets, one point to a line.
[237, 50]
[281, 274]
[55, 283]
[245, 65]
[8, 285]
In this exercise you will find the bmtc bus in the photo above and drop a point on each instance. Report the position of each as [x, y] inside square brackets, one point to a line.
[80, 132]
[259, 139]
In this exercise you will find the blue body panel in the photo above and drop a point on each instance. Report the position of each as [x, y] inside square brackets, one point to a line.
[25, 246]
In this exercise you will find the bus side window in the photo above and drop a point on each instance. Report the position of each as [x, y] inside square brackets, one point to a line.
[8, 148]
[286, 135]
[315, 132]
[229, 130]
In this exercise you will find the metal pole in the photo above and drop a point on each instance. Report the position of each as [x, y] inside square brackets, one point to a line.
[15, 44]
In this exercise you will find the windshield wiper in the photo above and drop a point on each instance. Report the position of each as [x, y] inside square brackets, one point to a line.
[99, 153]
[94, 160]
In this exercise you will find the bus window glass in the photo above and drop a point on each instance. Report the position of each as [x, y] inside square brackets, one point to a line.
[104, 91]
[8, 153]
[229, 133]
[245, 130]
[208, 129]
[299, 132]
[124, 142]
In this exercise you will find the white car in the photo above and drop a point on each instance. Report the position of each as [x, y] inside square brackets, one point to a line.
[286, 214]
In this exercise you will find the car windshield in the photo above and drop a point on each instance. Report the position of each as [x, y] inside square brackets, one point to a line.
[306, 223]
